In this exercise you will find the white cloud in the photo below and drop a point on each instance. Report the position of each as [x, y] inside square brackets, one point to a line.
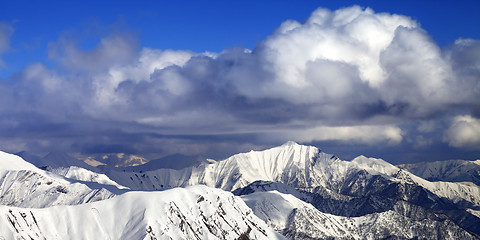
[352, 56]
[418, 75]
[149, 61]
[344, 64]
[389, 135]
[464, 57]
[364, 72]
[350, 36]
[464, 132]
[141, 68]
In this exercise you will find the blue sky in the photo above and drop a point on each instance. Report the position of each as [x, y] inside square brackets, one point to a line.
[201, 25]
[217, 77]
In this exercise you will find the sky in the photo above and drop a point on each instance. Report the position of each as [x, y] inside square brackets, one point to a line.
[398, 80]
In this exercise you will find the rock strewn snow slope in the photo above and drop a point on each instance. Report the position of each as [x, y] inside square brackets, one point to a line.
[455, 191]
[300, 220]
[197, 212]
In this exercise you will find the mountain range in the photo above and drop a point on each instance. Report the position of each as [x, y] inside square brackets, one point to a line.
[294, 190]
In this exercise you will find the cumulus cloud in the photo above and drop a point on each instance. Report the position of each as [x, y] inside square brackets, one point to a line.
[464, 57]
[353, 36]
[389, 135]
[349, 75]
[464, 132]
[418, 75]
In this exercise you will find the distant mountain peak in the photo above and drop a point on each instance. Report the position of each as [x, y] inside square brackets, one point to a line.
[57, 159]
[120, 159]
[375, 164]
[290, 143]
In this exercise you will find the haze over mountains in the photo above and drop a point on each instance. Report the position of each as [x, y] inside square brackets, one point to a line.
[292, 190]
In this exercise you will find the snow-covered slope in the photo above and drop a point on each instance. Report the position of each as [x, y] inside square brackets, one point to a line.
[24, 185]
[68, 166]
[289, 163]
[197, 212]
[304, 167]
[81, 174]
[11, 162]
[455, 191]
[450, 171]
[298, 190]
[346, 188]
[297, 219]
[278, 210]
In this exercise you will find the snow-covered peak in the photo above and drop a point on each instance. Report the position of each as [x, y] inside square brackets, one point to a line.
[273, 162]
[84, 175]
[375, 165]
[11, 162]
[290, 143]
[299, 166]
[450, 170]
[23, 184]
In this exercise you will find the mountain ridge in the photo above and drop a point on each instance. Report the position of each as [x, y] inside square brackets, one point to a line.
[322, 188]
[197, 212]
[302, 166]
[24, 185]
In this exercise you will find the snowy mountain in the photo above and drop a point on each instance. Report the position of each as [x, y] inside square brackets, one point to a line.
[175, 161]
[450, 171]
[53, 160]
[297, 190]
[196, 212]
[24, 185]
[297, 219]
[81, 174]
[303, 167]
[430, 209]
[116, 160]
[284, 164]
[31, 158]
[345, 188]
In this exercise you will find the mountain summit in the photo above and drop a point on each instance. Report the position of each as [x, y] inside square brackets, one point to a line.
[298, 190]
[356, 188]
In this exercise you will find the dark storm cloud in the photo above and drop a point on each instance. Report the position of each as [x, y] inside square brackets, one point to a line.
[350, 76]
